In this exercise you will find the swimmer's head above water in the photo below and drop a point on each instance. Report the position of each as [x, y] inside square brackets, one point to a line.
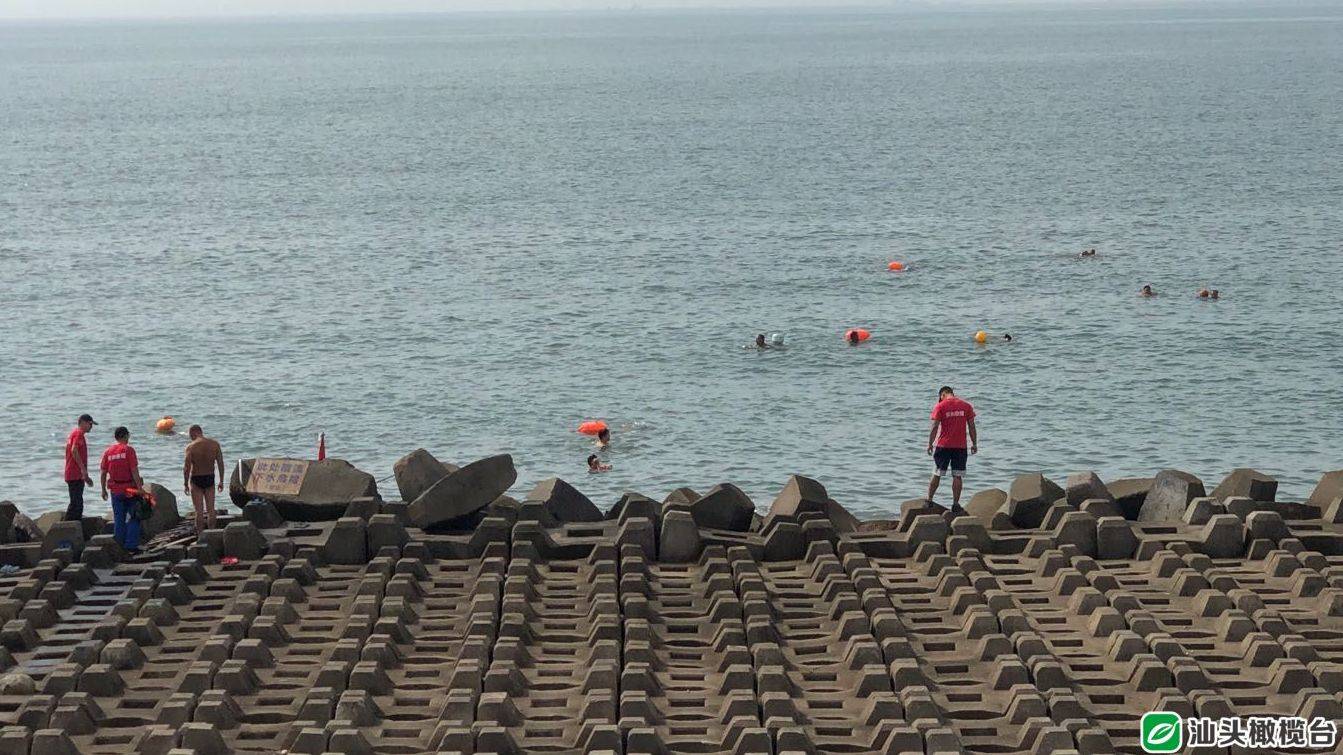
[595, 465]
[1147, 291]
[603, 437]
[853, 337]
[760, 342]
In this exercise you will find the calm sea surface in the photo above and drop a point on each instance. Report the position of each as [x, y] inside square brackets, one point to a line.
[470, 233]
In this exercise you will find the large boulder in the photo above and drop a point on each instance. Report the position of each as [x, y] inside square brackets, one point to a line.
[1129, 494]
[801, 495]
[469, 489]
[564, 502]
[327, 489]
[1029, 498]
[1085, 486]
[1329, 489]
[1172, 491]
[1247, 483]
[724, 507]
[417, 471]
[166, 514]
[984, 504]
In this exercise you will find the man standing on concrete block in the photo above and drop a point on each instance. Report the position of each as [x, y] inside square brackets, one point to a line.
[120, 473]
[952, 418]
[203, 458]
[77, 467]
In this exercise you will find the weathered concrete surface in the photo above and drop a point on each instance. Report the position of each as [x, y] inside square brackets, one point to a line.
[1029, 497]
[724, 507]
[563, 501]
[1246, 483]
[648, 632]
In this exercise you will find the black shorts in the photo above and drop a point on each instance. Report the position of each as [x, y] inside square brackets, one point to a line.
[203, 481]
[950, 457]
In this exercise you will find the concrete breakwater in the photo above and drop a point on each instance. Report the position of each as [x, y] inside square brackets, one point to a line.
[1045, 619]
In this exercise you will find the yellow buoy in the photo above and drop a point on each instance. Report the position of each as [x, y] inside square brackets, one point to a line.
[981, 337]
[165, 425]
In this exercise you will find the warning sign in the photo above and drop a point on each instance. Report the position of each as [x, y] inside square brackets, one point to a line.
[277, 476]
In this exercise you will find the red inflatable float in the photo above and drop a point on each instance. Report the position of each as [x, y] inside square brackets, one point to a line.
[856, 335]
[592, 427]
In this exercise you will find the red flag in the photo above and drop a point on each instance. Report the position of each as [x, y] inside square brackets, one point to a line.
[321, 446]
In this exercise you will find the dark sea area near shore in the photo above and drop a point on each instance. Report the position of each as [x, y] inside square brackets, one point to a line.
[470, 233]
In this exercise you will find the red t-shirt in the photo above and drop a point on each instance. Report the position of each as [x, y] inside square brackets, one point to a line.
[118, 461]
[76, 454]
[954, 414]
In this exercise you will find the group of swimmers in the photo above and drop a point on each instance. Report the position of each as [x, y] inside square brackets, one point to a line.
[1148, 292]
[595, 464]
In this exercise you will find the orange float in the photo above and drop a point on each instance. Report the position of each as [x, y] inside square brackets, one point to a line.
[165, 426]
[856, 335]
[897, 266]
[592, 427]
[981, 337]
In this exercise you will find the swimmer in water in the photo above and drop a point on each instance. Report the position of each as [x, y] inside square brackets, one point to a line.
[603, 438]
[595, 465]
[1007, 337]
[1087, 253]
[853, 338]
[1147, 292]
[760, 342]
[1215, 294]
[1204, 293]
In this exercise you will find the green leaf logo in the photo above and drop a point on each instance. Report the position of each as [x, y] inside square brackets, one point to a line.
[1162, 732]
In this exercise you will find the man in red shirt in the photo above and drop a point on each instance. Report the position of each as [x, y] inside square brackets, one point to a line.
[952, 417]
[77, 466]
[121, 472]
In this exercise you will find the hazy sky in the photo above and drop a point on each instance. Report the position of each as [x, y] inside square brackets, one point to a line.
[179, 8]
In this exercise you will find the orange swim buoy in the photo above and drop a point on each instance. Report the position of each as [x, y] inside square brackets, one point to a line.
[862, 335]
[165, 426]
[897, 266]
[592, 427]
[981, 337]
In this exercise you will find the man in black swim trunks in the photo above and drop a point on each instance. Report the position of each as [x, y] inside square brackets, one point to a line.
[203, 457]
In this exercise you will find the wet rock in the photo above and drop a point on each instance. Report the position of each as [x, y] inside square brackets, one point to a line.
[1029, 498]
[328, 487]
[802, 495]
[1247, 483]
[1328, 490]
[17, 683]
[1129, 494]
[1172, 492]
[984, 504]
[564, 502]
[1085, 486]
[469, 489]
[166, 514]
[417, 471]
[724, 507]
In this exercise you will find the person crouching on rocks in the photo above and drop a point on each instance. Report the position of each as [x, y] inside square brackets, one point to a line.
[595, 465]
[120, 474]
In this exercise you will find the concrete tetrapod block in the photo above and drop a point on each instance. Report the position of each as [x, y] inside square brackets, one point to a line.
[1085, 486]
[1327, 490]
[347, 542]
[1130, 493]
[418, 471]
[1223, 537]
[802, 495]
[469, 489]
[986, 503]
[1029, 497]
[679, 538]
[327, 489]
[563, 501]
[724, 507]
[1247, 483]
[243, 541]
[1172, 491]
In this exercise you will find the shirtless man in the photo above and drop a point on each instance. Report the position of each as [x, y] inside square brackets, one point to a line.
[203, 458]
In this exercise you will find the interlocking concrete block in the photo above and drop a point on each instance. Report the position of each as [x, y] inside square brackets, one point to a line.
[242, 540]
